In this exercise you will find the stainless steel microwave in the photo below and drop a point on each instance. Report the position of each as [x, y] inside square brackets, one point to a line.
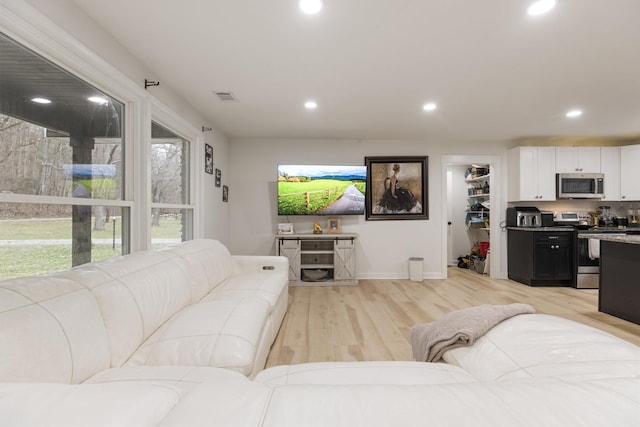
[580, 185]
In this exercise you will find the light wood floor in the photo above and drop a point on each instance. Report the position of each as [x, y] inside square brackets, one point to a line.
[371, 321]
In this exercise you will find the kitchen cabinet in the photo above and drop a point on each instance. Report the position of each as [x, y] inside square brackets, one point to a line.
[553, 256]
[317, 259]
[531, 174]
[610, 167]
[577, 159]
[629, 164]
[541, 258]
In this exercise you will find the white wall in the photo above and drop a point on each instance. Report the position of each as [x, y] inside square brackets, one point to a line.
[384, 247]
[216, 212]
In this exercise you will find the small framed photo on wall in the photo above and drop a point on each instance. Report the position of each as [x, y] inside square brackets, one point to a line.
[225, 193]
[208, 158]
[218, 177]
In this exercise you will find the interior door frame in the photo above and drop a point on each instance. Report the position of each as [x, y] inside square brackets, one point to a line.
[495, 199]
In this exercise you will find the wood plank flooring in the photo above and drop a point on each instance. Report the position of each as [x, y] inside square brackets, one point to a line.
[371, 321]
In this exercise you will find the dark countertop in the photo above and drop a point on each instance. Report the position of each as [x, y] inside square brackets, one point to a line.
[547, 229]
[623, 238]
[594, 230]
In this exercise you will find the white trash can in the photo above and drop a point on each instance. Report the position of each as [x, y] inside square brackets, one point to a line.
[415, 269]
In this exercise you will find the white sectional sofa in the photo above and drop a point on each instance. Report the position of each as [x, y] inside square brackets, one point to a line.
[178, 337]
[192, 304]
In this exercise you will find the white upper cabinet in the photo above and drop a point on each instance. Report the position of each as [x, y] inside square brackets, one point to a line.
[629, 166]
[532, 174]
[610, 167]
[577, 159]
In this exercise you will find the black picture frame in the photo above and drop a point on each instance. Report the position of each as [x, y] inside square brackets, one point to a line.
[225, 193]
[218, 177]
[409, 197]
[208, 158]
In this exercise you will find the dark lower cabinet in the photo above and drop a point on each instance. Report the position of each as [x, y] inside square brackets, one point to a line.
[619, 280]
[541, 258]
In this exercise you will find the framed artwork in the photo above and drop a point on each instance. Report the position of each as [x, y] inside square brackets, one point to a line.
[333, 226]
[208, 158]
[285, 228]
[397, 188]
[218, 177]
[225, 193]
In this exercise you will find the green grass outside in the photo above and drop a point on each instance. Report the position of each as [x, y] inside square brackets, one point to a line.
[21, 261]
[31, 229]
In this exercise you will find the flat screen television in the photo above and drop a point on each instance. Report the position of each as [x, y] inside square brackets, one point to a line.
[321, 189]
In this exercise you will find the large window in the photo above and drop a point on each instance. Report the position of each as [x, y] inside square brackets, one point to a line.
[62, 199]
[171, 212]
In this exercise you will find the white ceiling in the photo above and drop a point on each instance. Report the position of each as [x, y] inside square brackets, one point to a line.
[495, 72]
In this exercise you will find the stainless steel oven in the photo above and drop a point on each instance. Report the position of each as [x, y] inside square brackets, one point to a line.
[587, 265]
[588, 258]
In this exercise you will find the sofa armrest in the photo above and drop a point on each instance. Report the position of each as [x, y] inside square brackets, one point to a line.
[126, 403]
[243, 264]
[542, 345]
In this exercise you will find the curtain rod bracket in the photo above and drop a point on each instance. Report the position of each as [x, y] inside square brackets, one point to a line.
[148, 83]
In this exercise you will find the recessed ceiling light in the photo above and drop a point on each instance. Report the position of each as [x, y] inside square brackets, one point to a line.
[572, 114]
[430, 106]
[311, 105]
[41, 100]
[310, 6]
[97, 100]
[541, 6]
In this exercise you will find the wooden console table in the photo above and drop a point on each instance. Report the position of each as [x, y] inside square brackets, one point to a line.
[319, 259]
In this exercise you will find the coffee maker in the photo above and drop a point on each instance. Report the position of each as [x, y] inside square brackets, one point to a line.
[634, 218]
[605, 220]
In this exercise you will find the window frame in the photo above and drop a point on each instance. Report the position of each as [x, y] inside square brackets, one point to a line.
[35, 31]
[164, 117]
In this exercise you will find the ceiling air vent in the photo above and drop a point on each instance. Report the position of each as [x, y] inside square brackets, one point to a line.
[226, 96]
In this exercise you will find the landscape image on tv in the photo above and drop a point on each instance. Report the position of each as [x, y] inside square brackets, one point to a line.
[321, 189]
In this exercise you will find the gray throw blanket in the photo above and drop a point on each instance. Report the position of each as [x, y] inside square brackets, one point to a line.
[459, 328]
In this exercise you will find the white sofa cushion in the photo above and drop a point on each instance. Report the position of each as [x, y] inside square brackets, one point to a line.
[528, 402]
[341, 373]
[271, 288]
[208, 262]
[182, 377]
[255, 285]
[539, 345]
[52, 331]
[210, 396]
[137, 294]
[133, 404]
[213, 333]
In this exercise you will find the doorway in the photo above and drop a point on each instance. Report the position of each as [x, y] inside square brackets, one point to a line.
[454, 233]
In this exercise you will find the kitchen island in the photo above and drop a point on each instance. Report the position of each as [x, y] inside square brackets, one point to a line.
[619, 275]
